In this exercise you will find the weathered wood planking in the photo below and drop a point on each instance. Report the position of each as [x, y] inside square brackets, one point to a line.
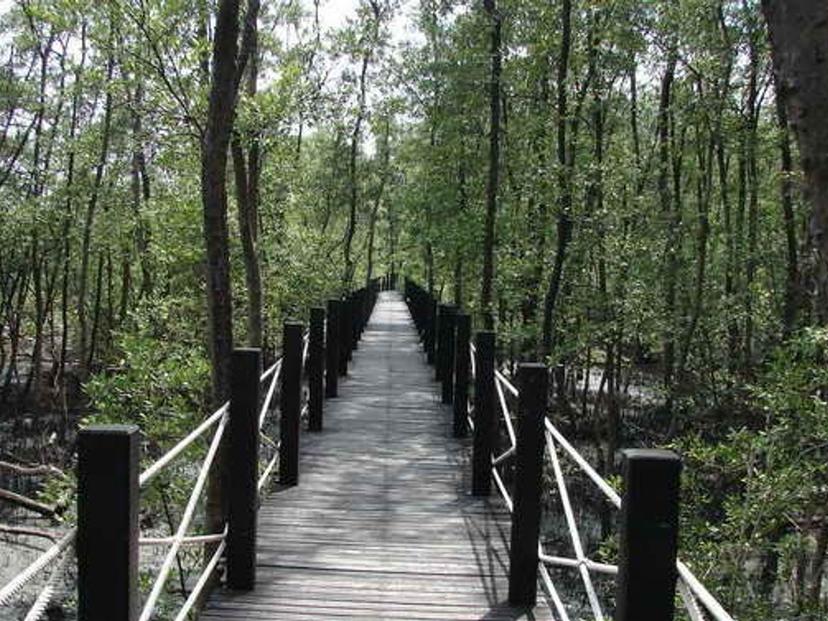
[381, 525]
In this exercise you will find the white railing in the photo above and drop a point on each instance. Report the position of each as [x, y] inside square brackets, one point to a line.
[696, 599]
[51, 564]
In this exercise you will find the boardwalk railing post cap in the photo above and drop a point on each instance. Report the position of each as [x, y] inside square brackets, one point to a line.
[659, 456]
[110, 429]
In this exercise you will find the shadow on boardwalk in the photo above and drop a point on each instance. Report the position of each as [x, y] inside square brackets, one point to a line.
[381, 525]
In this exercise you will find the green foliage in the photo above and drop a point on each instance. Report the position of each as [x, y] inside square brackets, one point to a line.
[759, 495]
[160, 379]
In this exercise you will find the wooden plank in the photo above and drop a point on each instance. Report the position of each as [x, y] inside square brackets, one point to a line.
[382, 524]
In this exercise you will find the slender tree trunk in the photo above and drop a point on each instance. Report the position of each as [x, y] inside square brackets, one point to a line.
[247, 199]
[252, 273]
[60, 375]
[372, 224]
[565, 164]
[96, 313]
[140, 187]
[221, 111]
[666, 201]
[793, 291]
[751, 142]
[83, 339]
[227, 69]
[356, 135]
[494, 164]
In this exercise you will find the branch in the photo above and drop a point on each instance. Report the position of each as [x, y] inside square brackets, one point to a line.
[28, 503]
[37, 470]
[31, 532]
[248, 43]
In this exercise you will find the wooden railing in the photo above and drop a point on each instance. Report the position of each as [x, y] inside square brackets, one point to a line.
[107, 536]
[648, 572]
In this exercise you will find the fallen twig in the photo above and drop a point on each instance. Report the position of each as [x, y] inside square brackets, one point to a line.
[22, 530]
[28, 503]
[37, 470]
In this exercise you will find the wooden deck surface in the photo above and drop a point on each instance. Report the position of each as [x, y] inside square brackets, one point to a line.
[381, 525]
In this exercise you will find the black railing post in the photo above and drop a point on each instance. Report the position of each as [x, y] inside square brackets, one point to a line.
[531, 439]
[242, 470]
[344, 335]
[484, 408]
[430, 328]
[107, 538]
[291, 403]
[461, 374]
[441, 338]
[332, 350]
[448, 323]
[646, 583]
[353, 302]
[316, 368]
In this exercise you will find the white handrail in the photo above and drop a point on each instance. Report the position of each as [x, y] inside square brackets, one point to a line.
[574, 534]
[472, 351]
[691, 590]
[505, 380]
[507, 416]
[271, 390]
[269, 468]
[202, 580]
[158, 585]
[47, 593]
[150, 473]
[702, 594]
[574, 563]
[186, 541]
[270, 370]
[596, 478]
[551, 590]
[35, 567]
[691, 604]
[502, 489]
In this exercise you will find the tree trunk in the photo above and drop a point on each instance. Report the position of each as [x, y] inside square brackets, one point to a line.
[793, 297]
[252, 275]
[356, 135]
[494, 165]
[228, 66]
[751, 143]
[565, 164]
[799, 46]
[666, 202]
[89, 218]
[372, 225]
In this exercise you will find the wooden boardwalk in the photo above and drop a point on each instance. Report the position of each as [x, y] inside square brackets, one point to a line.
[381, 525]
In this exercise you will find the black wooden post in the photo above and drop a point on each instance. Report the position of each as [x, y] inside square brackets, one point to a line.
[531, 439]
[646, 583]
[450, 321]
[242, 471]
[344, 335]
[316, 368]
[461, 374]
[484, 408]
[291, 403]
[430, 329]
[442, 341]
[107, 538]
[356, 312]
[332, 350]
